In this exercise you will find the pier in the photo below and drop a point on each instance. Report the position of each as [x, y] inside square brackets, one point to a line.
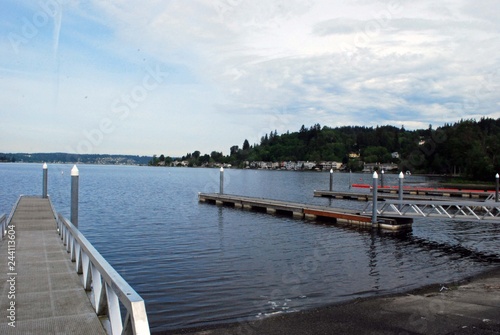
[53, 281]
[305, 211]
[392, 194]
[428, 192]
[359, 196]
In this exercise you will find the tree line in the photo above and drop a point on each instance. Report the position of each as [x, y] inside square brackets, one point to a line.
[468, 148]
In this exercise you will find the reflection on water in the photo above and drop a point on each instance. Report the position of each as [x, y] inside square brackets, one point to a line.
[197, 264]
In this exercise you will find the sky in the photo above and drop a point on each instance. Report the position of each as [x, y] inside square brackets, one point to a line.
[174, 76]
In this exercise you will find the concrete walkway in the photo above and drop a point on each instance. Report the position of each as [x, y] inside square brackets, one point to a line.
[41, 293]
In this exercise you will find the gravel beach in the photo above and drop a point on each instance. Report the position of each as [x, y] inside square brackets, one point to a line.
[471, 306]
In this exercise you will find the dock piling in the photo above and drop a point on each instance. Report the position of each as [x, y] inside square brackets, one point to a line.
[374, 198]
[382, 178]
[45, 179]
[331, 180]
[350, 175]
[496, 187]
[401, 178]
[74, 195]
[221, 185]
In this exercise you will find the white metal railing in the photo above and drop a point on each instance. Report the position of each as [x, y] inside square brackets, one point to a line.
[444, 209]
[491, 197]
[3, 224]
[108, 289]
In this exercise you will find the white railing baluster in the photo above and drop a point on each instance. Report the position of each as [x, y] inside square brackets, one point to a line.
[99, 291]
[87, 272]
[115, 318]
[72, 250]
[78, 259]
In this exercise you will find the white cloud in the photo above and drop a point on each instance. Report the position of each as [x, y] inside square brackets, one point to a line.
[239, 69]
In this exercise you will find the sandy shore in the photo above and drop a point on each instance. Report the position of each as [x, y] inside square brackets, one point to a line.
[471, 306]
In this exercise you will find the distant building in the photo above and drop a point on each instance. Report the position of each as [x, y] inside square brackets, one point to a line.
[370, 167]
[354, 155]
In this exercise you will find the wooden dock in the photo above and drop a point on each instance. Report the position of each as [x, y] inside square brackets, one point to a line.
[40, 292]
[392, 194]
[433, 191]
[304, 211]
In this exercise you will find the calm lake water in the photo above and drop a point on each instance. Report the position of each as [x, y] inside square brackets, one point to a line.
[198, 264]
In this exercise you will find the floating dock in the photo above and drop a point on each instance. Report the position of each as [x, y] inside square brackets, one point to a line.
[392, 194]
[305, 211]
[433, 191]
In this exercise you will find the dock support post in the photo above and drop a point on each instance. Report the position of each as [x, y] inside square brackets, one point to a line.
[74, 195]
[401, 178]
[496, 187]
[374, 197]
[45, 179]
[331, 180]
[382, 178]
[350, 184]
[221, 186]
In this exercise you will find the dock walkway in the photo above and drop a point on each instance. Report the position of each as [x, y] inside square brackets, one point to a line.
[307, 211]
[409, 194]
[40, 292]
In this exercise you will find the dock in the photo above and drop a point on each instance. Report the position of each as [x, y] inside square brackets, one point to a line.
[432, 191]
[54, 282]
[40, 290]
[392, 194]
[305, 211]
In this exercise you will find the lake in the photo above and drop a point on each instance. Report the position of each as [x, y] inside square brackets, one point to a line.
[198, 264]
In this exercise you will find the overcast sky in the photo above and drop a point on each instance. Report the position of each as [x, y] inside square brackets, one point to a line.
[172, 77]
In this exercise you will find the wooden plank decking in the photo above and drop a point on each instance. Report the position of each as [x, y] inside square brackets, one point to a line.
[40, 293]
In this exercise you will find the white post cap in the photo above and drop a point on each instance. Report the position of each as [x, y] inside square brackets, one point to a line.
[497, 176]
[375, 175]
[45, 166]
[221, 169]
[74, 171]
[331, 170]
[401, 175]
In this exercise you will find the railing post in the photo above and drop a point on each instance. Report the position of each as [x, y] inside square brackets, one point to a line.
[401, 178]
[496, 187]
[331, 180]
[221, 186]
[74, 195]
[374, 198]
[45, 178]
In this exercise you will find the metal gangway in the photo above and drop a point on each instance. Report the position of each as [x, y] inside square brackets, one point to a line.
[458, 210]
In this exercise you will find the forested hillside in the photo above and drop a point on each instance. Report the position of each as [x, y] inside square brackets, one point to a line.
[469, 148]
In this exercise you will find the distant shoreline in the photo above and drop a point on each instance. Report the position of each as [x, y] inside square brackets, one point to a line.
[467, 184]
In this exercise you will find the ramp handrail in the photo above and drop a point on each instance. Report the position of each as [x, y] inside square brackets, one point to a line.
[3, 224]
[445, 209]
[108, 289]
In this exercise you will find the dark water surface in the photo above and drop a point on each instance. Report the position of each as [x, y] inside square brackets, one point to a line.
[197, 264]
